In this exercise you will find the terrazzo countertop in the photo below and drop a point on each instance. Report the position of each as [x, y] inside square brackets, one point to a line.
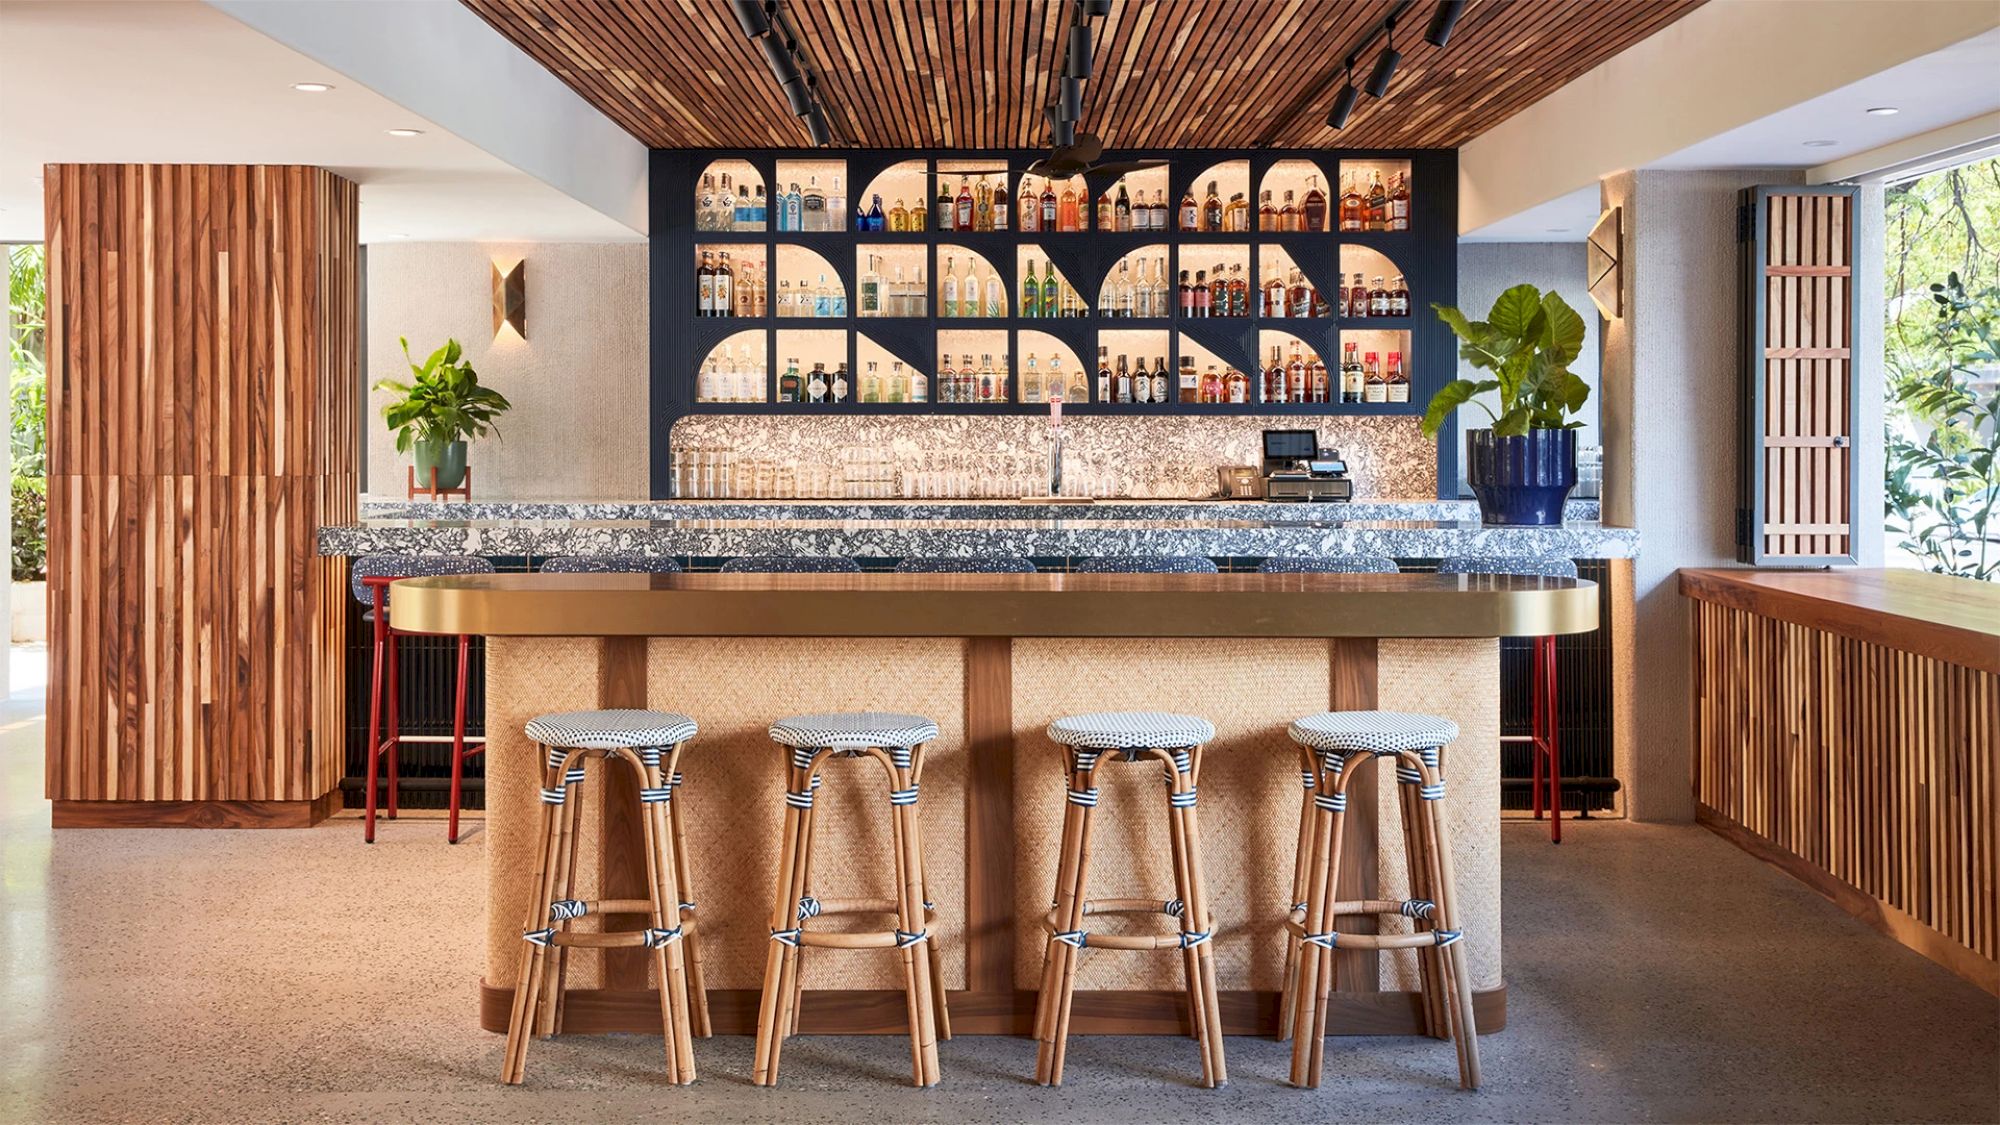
[723, 530]
[1584, 511]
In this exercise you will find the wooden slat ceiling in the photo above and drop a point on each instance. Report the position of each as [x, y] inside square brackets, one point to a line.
[969, 75]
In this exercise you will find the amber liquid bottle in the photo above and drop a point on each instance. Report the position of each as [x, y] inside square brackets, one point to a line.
[947, 213]
[1351, 378]
[1048, 206]
[1288, 214]
[1295, 376]
[1318, 378]
[1000, 205]
[1357, 298]
[1121, 209]
[1267, 215]
[1350, 207]
[1378, 204]
[1399, 207]
[1211, 210]
[1312, 212]
[1274, 377]
[1190, 216]
[1375, 390]
[1274, 295]
[1398, 381]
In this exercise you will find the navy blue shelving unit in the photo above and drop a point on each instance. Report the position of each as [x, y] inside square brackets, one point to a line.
[1426, 256]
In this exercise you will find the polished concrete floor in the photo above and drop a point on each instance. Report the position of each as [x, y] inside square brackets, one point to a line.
[1654, 974]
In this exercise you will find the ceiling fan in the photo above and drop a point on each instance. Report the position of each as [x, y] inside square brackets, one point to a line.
[1075, 159]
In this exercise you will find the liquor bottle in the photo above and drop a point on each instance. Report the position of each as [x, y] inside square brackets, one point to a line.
[1271, 295]
[1378, 203]
[1399, 298]
[741, 219]
[1001, 204]
[1353, 380]
[1312, 212]
[968, 380]
[822, 298]
[1122, 382]
[760, 209]
[838, 388]
[1160, 210]
[982, 206]
[1031, 207]
[946, 216]
[876, 219]
[898, 387]
[1236, 385]
[725, 216]
[948, 291]
[1375, 390]
[1378, 298]
[704, 206]
[1288, 214]
[836, 206]
[1190, 384]
[704, 285]
[1211, 383]
[816, 385]
[896, 295]
[1204, 301]
[1104, 391]
[1239, 291]
[1031, 290]
[1318, 306]
[1317, 378]
[1399, 212]
[787, 203]
[919, 214]
[947, 379]
[1069, 214]
[1236, 213]
[1398, 379]
[746, 290]
[962, 208]
[1162, 293]
[1211, 209]
[1190, 216]
[706, 388]
[996, 295]
[760, 292]
[860, 218]
[920, 387]
[1127, 297]
[871, 384]
[1298, 296]
[1076, 388]
[986, 388]
[813, 206]
[1052, 299]
[869, 288]
[1267, 215]
[1295, 376]
[1274, 377]
[723, 295]
[1185, 294]
[789, 387]
[1031, 381]
[1351, 218]
[1121, 210]
[1340, 298]
[899, 217]
[920, 295]
[1159, 378]
[1357, 298]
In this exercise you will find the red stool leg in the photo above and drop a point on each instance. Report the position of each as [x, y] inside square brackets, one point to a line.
[458, 737]
[1551, 745]
[395, 741]
[374, 731]
[1537, 727]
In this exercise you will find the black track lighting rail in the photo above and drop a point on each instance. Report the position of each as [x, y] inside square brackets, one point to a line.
[1443, 19]
[769, 24]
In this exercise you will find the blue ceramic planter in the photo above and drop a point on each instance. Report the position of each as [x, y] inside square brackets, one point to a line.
[1521, 481]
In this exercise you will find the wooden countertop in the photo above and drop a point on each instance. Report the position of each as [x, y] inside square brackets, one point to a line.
[994, 605]
[1956, 620]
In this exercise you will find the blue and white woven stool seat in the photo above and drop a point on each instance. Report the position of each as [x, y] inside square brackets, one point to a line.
[1126, 730]
[1377, 732]
[853, 730]
[609, 730]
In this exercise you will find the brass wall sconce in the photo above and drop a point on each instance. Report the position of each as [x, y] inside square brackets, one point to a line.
[510, 298]
[1604, 264]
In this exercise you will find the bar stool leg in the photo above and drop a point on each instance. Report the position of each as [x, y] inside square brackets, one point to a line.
[1074, 869]
[794, 986]
[1196, 923]
[394, 748]
[374, 728]
[1315, 960]
[458, 737]
[1550, 742]
[1301, 868]
[663, 883]
[528, 983]
[772, 1001]
[910, 917]
[940, 1015]
[569, 818]
[1436, 840]
[1045, 997]
[1430, 960]
[1190, 966]
[690, 936]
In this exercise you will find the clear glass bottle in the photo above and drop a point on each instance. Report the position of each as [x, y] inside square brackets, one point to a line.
[898, 388]
[996, 295]
[812, 206]
[816, 386]
[836, 206]
[704, 203]
[760, 209]
[920, 387]
[792, 216]
[871, 291]
[948, 289]
[1031, 381]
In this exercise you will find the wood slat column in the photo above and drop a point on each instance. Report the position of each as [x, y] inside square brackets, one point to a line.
[202, 362]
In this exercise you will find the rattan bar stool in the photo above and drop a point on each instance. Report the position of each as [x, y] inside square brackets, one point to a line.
[1332, 748]
[1176, 742]
[650, 743]
[896, 741]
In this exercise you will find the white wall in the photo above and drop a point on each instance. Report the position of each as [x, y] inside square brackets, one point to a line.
[1488, 269]
[578, 430]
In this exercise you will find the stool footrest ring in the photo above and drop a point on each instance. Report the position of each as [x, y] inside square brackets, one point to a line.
[563, 909]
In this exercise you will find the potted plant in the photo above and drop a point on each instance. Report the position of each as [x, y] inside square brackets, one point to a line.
[441, 406]
[1523, 467]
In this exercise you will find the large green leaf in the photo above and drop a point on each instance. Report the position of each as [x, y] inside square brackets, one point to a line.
[1515, 311]
[1562, 334]
[1450, 397]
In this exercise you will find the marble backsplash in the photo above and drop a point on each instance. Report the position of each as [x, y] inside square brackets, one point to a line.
[1170, 457]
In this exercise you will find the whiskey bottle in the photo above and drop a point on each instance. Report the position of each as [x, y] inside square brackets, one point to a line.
[1378, 298]
[1317, 378]
[1211, 383]
[1271, 301]
[1190, 386]
[704, 285]
[1211, 209]
[1267, 215]
[1274, 377]
[1204, 301]
[1298, 296]
[1378, 203]
[1398, 381]
[1185, 292]
[1357, 298]
[1239, 291]
[1352, 380]
[1375, 389]
[899, 218]
[1121, 209]
[1319, 307]
[1122, 382]
[1351, 218]
[1104, 384]
[1160, 216]
[1236, 214]
[814, 206]
[920, 387]
[1049, 210]
[1399, 298]
[816, 385]
[1312, 213]
[1399, 207]
[1237, 385]
[1190, 216]
[1296, 372]
[871, 384]
[790, 389]
[1031, 207]
[1001, 204]
[945, 213]
[920, 215]
[1159, 379]
[1288, 214]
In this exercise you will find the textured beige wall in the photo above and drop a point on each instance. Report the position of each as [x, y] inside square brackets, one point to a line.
[578, 430]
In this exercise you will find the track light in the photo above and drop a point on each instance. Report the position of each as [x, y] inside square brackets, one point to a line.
[751, 18]
[817, 129]
[1443, 20]
[1077, 64]
[1343, 103]
[1385, 65]
[1062, 132]
[798, 96]
[1070, 104]
[778, 58]
[1097, 7]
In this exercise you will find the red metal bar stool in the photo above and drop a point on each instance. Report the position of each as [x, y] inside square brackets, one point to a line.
[1543, 722]
[370, 577]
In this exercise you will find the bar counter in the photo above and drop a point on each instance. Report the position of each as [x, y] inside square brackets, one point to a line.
[992, 659]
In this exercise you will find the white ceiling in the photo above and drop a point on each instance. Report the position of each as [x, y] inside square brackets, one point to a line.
[1955, 84]
[177, 81]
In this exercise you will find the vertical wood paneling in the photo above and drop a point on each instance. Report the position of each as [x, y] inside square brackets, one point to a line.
[202, 359]
[1873, 765]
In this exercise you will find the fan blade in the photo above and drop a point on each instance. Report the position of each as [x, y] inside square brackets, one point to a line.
[1125, 168]
[1086, 150]
[986, 171]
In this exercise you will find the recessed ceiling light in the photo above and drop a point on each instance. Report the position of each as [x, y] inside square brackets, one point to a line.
[420, 132]
[311, 87]
[1821, 144]
[1884, 110]
[1558, 230]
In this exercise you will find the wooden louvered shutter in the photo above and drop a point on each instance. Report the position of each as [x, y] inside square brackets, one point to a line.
[1799, 408]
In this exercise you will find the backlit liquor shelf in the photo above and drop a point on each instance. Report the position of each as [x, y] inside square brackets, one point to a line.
[1206, 281]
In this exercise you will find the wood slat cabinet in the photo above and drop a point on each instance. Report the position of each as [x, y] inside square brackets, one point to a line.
[203, 358]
